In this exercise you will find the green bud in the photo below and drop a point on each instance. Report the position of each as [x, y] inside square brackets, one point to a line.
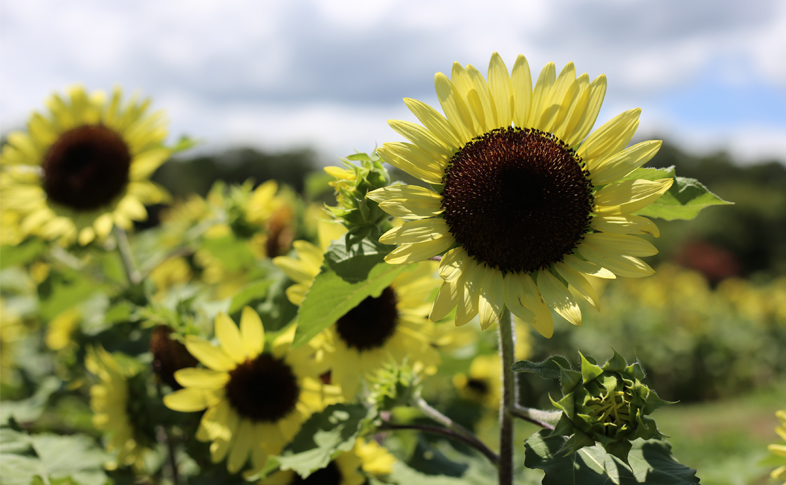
[394, 385]
[606, 404]
[351, 184]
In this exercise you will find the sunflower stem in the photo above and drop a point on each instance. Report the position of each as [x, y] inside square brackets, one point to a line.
[168, 441]
[476, 443]
[544, 419]
[437, 416]
[507, 342]
[129, 264]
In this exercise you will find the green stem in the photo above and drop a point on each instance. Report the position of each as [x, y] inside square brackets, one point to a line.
[465, 434]
[129, 265]
[477, 444]
[544, 419]
[509, 398]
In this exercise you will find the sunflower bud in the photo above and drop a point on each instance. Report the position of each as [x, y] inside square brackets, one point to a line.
[169, 356]
[352, 184]
[394, 385]
[608, 405]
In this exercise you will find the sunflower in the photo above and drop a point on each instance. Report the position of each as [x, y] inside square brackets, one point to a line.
[345, 469]
[256, 400]
[118, 407]
[84, 166]
[526, 202]
[780, 449]
[391, 325]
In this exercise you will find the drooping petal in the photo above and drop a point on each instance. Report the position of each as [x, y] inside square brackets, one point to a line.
[612, 168]
[625, 224]
[446, 300]
[544, 322]
[557, 296]
[515, 298]
[579, 283]
[491, 297]
[241, 446]
[629, 196]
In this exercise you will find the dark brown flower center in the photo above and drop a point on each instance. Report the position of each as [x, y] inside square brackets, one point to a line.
[86, 168]
[517, 200]
[370, 324]
[263, 389]
[330, 475]
[479, 386]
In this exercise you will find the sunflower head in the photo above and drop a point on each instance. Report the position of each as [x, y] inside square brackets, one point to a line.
[121, 408]
[255, 395]
[607, 404]
[527, 201]
[84, 165]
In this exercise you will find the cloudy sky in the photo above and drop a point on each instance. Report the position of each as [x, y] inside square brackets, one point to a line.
[709, 75]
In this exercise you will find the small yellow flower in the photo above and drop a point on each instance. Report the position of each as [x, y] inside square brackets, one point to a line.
[528, 201]
[255, 399]
[84, 166]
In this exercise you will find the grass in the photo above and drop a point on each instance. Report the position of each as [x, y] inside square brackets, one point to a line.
[725, 440]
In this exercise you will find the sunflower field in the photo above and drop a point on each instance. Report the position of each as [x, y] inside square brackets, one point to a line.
[467, 307]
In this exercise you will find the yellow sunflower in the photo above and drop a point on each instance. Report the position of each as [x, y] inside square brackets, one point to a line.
[526, 202]
[345, 469]
[119, 409]
[256, 400]
[84, 166]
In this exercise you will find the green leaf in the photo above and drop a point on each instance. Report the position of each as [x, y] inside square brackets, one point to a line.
[256, 290]
[323, 434]
[650, 462]
[684, 200]
[550, 368]
[331, 297]
[22, 253]
[47, 458]
[353, 257]
[28, 410]
[62, 290]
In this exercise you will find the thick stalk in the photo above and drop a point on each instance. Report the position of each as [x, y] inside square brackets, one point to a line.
[129, 265]
[508, 401]
[477, 444]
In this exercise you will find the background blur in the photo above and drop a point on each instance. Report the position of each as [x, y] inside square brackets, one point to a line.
[279, 89]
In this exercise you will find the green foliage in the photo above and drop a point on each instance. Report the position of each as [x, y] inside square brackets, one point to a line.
[352, 257]
[50, 459]
[330, 297]
[28, 410]
[550, 368]
[23, 253]
[649, 461]
[322, 436]
[684, 199]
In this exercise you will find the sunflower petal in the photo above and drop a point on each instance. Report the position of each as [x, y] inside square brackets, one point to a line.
[540, 94]
[413, 253]
[619, 264]
[515, 297]
[241, 446]
[454, 108]
[557, 296]
[211, 356]
[446, 300]
[252, 331]
[220, 446]
[587, 268]
[612, 168]
[597, 91]
[629, 196]
[544, 321]
[610, 138]
[521, 84]
[201, 378]
[501, 92]
[491, 298]
[422, 138]
[619, 243]
[468, 286]
[189, 400]
[625, 224]
[412, 160]
[416, 232]
[579, 283]
[229, 337]
[434, 122]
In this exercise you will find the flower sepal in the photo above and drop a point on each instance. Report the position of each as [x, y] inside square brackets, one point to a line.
[358, 213]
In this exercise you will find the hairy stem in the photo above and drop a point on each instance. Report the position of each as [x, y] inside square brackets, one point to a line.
[509, 399]
[544, 419]
[129, 264]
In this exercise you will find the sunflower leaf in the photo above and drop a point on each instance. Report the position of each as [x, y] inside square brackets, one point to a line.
[352, 257]
[649, 462]
[684, 200]
[548, 369]
[333, 430]
[331, 297]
